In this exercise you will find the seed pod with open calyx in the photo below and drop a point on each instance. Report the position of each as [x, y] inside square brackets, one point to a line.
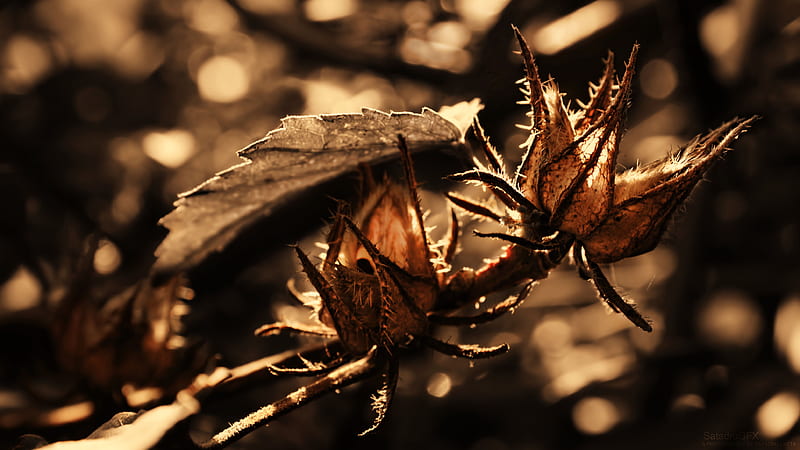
[569, 171]
[566, 194]
[380, 271]
[378, 286]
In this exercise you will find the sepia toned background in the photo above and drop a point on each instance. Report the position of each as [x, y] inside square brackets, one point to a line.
[110, 109]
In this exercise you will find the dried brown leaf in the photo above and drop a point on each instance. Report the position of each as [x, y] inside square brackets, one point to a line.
[305, 151]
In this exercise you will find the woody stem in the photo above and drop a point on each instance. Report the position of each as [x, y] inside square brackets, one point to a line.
[338, 378]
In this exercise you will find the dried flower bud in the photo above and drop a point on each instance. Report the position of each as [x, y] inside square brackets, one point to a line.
[569, 167]
[645, 197]
[389, 219]
[389, 228]
[566, 195]
[569, 172]
[378, 286]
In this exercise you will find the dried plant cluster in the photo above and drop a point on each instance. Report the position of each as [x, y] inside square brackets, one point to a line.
[382, 283]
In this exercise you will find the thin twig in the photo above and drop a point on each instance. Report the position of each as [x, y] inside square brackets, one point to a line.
[256, 371]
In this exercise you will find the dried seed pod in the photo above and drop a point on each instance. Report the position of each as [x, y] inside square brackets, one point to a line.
[566, 193]
[646, 197]
[131, 341]
[379, 286]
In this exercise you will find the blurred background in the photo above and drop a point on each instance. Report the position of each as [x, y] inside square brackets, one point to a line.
[109, 109]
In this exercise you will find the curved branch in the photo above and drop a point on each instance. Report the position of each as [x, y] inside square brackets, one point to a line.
[322, 44]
